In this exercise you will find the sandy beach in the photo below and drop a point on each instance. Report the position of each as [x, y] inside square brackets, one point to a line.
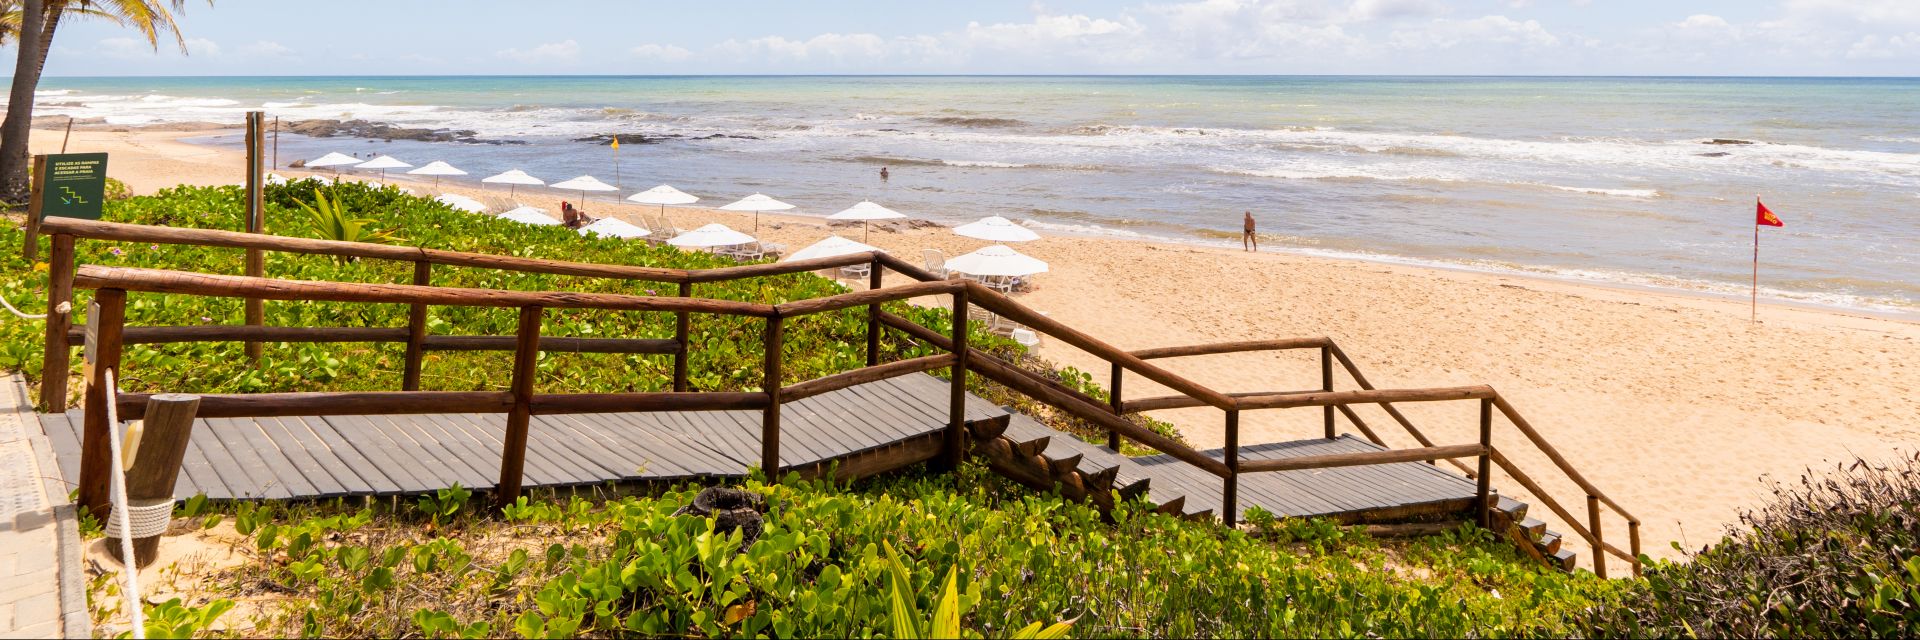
[1674, 404]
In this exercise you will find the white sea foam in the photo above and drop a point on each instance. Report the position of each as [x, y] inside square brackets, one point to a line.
[983, 163]
[1623, 193]
[1086, 230]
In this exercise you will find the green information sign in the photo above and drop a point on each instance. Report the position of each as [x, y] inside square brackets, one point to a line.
[76, 184]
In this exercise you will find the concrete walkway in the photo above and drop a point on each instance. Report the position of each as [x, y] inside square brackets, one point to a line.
[42, 590]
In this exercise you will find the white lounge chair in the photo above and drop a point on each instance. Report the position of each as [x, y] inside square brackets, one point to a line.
[934, 261]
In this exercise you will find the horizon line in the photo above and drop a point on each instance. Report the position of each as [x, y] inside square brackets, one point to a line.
[1005, 75]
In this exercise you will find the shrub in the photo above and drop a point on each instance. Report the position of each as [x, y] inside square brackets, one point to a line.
[1830, 556]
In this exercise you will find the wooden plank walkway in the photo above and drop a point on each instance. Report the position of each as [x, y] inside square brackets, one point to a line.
[335, 456]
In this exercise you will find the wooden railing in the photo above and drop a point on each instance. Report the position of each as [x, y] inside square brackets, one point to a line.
[1592, 532]
[106, 332]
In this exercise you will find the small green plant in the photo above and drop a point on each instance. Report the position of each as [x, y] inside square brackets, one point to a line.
[174, 619]
[329, 219]
[904, 619]
[441, 506]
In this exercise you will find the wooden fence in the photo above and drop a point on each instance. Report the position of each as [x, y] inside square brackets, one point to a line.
[106, 332]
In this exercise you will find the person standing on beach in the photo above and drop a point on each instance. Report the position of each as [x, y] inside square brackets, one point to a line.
[1247, 236]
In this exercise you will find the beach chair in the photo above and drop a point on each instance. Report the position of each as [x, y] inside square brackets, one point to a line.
[934, 261]
[856, 271]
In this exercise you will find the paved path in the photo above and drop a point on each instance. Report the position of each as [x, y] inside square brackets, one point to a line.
[41, 590]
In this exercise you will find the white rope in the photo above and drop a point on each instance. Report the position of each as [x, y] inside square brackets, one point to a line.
[23, 315]
[120, 515]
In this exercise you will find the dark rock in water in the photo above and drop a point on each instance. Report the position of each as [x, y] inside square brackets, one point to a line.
[1716, 154]
[384, 131]
[731, 509]
[604, 139]
[297, 164]
[1727, 141]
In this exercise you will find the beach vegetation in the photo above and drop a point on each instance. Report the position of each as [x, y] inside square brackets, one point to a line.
[964, 554]
[1831, 555]
[328, 219]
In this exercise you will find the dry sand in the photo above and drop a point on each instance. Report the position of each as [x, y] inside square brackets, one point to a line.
[1675, 405]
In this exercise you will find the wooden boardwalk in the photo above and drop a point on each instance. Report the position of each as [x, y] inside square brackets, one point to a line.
[337, 456]
[324, 457]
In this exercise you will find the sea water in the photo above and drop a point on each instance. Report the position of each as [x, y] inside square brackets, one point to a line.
[1646, 181]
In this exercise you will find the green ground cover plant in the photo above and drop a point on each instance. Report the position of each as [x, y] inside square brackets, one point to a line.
[904, 556]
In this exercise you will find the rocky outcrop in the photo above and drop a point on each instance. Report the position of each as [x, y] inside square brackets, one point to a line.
[383, 131]
[604, 139]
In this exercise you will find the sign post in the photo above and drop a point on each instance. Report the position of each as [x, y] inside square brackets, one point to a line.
[68, 185]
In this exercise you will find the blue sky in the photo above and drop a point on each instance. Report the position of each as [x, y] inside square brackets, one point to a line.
[1494, 37]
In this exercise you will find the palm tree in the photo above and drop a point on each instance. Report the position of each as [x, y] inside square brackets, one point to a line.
[31, 24]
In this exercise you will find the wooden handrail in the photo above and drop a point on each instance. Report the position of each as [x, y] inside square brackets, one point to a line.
[1282, 344]
[1388, 456]
[559, 403]
[1157, 403]
[863, 375]
[1559, 461]
[331, 403]
[863, 298]
[161, 281]
[1554, 505]
[723, 274]
[929, 336]
[1006, 307]
[76, 335]
[1401, 418]
[122, 232]
[1371, 396]
[553, 344]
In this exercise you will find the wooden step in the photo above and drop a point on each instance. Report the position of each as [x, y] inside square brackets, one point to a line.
[1534, 527]
[1565, 559]
[1513, 509]
[1549, 543]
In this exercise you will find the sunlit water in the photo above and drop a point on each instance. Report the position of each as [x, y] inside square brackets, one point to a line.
[1592, 178]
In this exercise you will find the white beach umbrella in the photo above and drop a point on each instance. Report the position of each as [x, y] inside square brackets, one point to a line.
[615, 228]
[530, 215]
[663, 195]
[997, 229]
[830, 247]
[513, 179]
[437, 169]
[583, 184]
[756, 203]
[335, 160]
[275, 178]
[712, 235]
[460, 202]
[383, 163]
[865, 211]
[997, 260]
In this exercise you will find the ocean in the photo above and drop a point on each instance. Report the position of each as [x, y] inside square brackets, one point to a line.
[1634, 181]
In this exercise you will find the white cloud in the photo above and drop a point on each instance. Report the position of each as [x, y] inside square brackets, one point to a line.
[202, 47]
[661, 52]
[123, 48]
[1877, 47]
[266, 49]
[549, 53]
[1867, 12]
[1496, 29]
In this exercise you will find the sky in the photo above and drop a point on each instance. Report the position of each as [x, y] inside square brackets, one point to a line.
[1443, 37]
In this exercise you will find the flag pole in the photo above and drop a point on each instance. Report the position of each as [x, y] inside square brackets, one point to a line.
[1755, 306]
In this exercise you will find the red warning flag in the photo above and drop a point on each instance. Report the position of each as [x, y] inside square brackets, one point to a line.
[1766, 216]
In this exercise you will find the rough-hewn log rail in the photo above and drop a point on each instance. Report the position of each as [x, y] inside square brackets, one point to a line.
[201, 284]
[1389, 456]
[1283, 344]
[331, 403]
[838, 381]
[76, 336]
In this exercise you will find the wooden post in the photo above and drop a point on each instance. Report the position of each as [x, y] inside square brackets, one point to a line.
[31, 251]
[1633, 537]
[1114, 402]
[513, 455]
[1593, 524]
[56, 359]
[1230, 494]
[875, 272]
[106, 316]
[1483, 502]
[952, 446]
[1326, 384]
[774, 342]
[276, 142]
[155, 464]
[682, 324]
[256, 259]
[416, 329]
